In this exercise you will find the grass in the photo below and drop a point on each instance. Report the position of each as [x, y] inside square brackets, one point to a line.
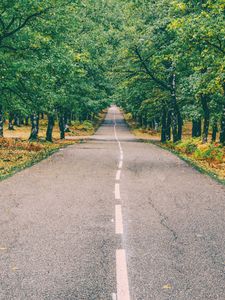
[86, 128]
[146, 134]
[208, 158]
[17, 153]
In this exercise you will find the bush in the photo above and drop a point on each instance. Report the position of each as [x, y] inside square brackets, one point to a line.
[188, 146]
[210, 153]
[87, 125]
[128, 116]
[75, 123]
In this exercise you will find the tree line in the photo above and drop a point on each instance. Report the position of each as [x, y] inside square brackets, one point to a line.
[171, 66]
[53, 61]
[162, 61]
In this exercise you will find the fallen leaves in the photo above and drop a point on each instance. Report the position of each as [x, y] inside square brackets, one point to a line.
[167, 286]
[16, 153]
[208, 156]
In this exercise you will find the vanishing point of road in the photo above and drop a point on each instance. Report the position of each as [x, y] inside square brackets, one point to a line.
[112, 218]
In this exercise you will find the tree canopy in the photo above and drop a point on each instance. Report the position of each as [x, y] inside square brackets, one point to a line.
[162, 61]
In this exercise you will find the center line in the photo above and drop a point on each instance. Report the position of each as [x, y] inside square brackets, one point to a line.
[118, 173]
[120, 164]
[121, 276]
[117, 191]
[119, 219]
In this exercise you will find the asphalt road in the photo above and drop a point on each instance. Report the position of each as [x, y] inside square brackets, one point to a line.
[112, 218]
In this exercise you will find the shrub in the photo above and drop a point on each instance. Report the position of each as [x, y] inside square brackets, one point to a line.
[87, 125]
[210, 153]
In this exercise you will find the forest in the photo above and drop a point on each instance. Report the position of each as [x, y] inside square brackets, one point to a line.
[160, 61]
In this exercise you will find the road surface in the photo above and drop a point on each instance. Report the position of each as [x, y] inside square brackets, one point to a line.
[112, 218]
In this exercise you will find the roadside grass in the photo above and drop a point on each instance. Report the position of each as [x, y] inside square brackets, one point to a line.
[208, 158]
[146, 134]
[86, 128]
[17, 153]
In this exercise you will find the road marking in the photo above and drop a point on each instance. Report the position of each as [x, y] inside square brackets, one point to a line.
[119, 219]
[121, 264]
[118, 174]
[114, 296]
[121, 275]
[120, 165]
[117, 191]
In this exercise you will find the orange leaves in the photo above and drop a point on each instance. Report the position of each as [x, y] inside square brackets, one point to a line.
[16, 154]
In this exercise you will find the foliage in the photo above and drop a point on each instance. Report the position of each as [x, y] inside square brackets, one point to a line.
[16, 154]
[210, 157]
[52, 58]
[171, 65]
[161, 61]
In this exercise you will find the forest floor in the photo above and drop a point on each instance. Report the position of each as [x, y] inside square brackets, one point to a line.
[17, 153]
[208, 157]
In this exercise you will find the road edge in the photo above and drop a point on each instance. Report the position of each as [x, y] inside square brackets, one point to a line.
[189, 161]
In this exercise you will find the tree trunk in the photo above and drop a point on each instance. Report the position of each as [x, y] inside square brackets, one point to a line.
[1, 121]
[175, 109]
[206, 118]
[222, 132]
[168, 126]
[214, 131]
[34, 127]
[17, 121]
[50, 128]
[66, 125]
[144, 121]
[27, 121]
[62, 126]
[21, 120]
[70, 118]
[155, 124]
[66, 118]
[174, 126]
[163, 130]
[180, 124]
[196, 127]
[10, 127]
[199, 127]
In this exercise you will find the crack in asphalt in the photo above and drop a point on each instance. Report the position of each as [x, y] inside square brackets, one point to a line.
[164, 220]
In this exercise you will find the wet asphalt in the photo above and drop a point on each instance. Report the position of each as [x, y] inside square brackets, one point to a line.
[57, 224]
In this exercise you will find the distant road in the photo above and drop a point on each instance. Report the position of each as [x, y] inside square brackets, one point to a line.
[112, 218]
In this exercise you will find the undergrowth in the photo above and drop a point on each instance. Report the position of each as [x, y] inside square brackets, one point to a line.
[210, 156]
[16, 154]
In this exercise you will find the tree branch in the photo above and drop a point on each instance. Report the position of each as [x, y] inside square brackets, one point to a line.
[150, 73]
[215, 46]
[21, 25]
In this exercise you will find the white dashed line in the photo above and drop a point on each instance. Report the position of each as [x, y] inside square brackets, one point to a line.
[122, 276]
[119, 220]
[117, 191]
[118, 174]
[121, 264]
[120, 165]
[114, 296]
